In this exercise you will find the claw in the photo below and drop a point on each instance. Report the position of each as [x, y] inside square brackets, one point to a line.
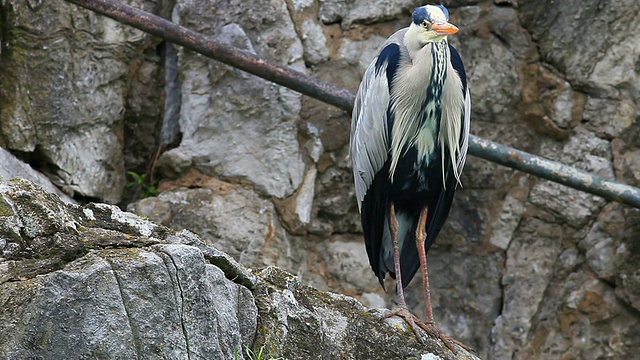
[408, 317]
[434, 331]
[429, 327]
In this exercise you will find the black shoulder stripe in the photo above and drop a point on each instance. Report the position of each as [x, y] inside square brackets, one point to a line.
[456, 62]
[391, 56]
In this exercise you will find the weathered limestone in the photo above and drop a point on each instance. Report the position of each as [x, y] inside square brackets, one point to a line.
[94, 281]
[524, 268]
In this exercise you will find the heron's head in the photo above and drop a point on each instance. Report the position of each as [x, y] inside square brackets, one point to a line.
[431, 24]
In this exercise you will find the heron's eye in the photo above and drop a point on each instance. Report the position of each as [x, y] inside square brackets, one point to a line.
[426, 24]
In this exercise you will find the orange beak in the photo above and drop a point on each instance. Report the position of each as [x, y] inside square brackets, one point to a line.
[444, 28]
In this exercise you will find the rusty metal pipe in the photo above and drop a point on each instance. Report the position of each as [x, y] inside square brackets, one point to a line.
[554, 171]
[222, 52]
[343, 99]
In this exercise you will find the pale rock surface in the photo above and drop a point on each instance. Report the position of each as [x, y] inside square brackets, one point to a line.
[529, 269]
[299, 322]
[62, 59]
[347, 265]
[94, 281]
[10, 167]
[230, 218]
[109, 284]
[361, 53]
[523, 268]
[587, 152]
[230, 119]
[314, 42]
[359, 11]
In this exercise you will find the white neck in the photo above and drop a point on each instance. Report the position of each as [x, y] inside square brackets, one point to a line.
[408, 100]
[417, 39]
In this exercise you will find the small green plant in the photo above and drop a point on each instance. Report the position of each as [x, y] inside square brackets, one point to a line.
[255, 356]
[141, 187]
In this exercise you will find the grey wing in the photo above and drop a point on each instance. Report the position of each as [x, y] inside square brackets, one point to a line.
[369, 130]
[466, 122]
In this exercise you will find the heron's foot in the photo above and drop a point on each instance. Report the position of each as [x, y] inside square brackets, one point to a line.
[432, 329]
[411, 319]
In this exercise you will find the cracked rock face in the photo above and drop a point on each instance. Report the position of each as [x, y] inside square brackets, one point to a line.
[230, 119]
[74, 60]
[231, 218]
[524, 268]
[96, 282]
[300, 322]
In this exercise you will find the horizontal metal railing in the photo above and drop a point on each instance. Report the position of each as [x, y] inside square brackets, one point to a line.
[343, 99]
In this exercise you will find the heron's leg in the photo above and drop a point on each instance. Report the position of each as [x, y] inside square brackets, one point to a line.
[421, 237]
[429, 325]
[402, 309]
[393, 229]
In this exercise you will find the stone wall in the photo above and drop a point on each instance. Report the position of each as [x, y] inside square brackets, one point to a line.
[524, 267]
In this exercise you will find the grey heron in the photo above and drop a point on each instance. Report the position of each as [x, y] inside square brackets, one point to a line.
[409, 140]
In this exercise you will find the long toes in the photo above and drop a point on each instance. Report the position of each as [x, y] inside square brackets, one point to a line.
[469, 349]
[448, 341]
[409, 318]
[430, 327]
